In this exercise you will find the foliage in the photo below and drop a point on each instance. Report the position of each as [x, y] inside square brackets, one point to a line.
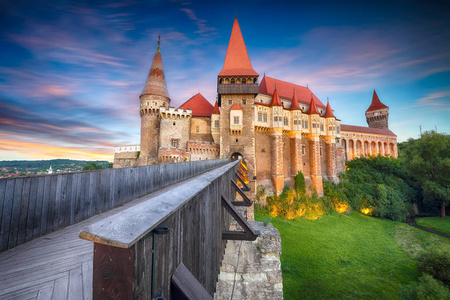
[438, 224]
[348, 256]
[299, 184]
[377, 185]
[92, 166]
[426, 288]
[427, 159]
[436, 262]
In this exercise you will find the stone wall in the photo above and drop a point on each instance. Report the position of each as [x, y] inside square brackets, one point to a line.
[253, 268]
[125, 159]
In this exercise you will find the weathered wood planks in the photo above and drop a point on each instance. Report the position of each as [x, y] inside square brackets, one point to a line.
[37, 205]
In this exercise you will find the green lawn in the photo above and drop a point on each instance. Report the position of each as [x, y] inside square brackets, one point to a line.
[437, 223]
[349, 256]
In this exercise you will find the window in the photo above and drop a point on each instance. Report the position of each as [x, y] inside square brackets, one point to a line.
[197, 129]
[259, 116]
[295, 122]
[174, 143]
[244, 81]
[230, 102]
[320, 151]
[330, 128]
[174, 123]
[303, 149]
[286, 121]
[156, 103]
[306, 124]
[313, 125]
[244, 101]
[216, 123]
[236, 120]
[233, 81]
[265, 117]
[275, 119]
[321, 127]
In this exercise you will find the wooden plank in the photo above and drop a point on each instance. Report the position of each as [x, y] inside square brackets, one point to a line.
[184, 285]
[7, 211]
[24, 203]
[64, 211]
[61, 287]
[74, 204]
[31, 215]
[249, 234]
[2, 197]
[59, 217]
[52, 203]
[113, 275]
[15, 213]
[45, 293]
[87, 279]
[75, 291]
[39, 204]
[45, 203]
[246, 201]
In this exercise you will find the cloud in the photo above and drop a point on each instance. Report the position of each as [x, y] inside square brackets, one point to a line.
[436, 100]
[203, 29]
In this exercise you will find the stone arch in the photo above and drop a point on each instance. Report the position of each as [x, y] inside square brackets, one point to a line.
[236, 156]
[358, 148]
[392, 149]
[380, 148]
[351, 150]
[385, 148]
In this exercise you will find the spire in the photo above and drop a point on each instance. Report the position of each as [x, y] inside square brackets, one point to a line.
[329, 111]
[294, 103]
[312, 107]
[376, 103]
[216, 110]
[275, 98]
[237, 61]
[156, 81]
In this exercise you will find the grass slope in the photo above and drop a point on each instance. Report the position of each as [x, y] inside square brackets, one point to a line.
[435, 223]
[349, 256]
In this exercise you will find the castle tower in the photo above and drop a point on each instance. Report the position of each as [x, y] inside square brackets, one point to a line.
[237, 84]
[295, 136]
[330, 142]
[276, 142]
[314, 147]
[153, 97]
[377, 114]
[215, 123]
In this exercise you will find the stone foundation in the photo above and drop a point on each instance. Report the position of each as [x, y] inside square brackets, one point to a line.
[254, 268]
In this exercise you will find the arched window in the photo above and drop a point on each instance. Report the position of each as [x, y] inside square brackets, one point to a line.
[233, 81]
[244, 81]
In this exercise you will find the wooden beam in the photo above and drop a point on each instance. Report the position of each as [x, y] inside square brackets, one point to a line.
[185, 286]
[246, 202]
[245, 187]
[249, 234]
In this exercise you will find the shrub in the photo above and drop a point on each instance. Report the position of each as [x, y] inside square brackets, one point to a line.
[436, 262]
[299, 184]
[426, 288]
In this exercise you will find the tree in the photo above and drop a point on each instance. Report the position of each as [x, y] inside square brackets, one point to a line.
[92, 166]
[428, 161]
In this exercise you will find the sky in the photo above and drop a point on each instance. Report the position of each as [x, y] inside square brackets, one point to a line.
[71, 72]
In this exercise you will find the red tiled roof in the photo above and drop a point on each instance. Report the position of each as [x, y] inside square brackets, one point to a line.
[303, 94]
[156, 81]
[376, 103]
[312, 107]
[329, 111]
[294, 103]
[199, 105]
[236, 107]
[276, 99]
[216, 110]
[237, 61]
[353, 128]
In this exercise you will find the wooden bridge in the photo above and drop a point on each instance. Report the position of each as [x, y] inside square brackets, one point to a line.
[148, 231]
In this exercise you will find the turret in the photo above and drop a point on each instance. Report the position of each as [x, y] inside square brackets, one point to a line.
[153, 96]
[215, 123]
[377, 115]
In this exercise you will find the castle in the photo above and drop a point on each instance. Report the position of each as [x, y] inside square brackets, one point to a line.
[280, 128]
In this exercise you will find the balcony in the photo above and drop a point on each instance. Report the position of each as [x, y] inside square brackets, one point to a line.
[251, 88]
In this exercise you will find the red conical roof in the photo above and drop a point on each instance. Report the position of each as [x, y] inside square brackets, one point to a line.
[237, 61]
[329, 111]
[199, 105]
[294, 103]
[376, 103]
[276, 99]
[156, 81]
[216, 110]
[313, 108]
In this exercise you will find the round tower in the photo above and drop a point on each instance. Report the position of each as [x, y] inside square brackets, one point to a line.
[377, 115]
[153, 97]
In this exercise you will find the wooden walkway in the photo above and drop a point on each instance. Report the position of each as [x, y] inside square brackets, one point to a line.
[55, 266]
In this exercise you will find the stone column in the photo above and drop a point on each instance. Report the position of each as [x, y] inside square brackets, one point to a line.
[314, 161]
[295, 139]
[276, 145]
[330, 154]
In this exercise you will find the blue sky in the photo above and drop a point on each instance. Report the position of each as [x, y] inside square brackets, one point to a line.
[71, 71]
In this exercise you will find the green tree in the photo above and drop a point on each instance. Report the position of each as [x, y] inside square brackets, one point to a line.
[428, 161]
[92, 166]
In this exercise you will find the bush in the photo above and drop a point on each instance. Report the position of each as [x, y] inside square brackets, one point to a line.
[299, 184]
[436, 262]
[426, 288]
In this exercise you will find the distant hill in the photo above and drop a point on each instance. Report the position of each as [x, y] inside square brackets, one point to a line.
[29, 167]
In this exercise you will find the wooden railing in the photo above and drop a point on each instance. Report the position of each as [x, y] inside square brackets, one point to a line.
[33, 206]
[171, 243]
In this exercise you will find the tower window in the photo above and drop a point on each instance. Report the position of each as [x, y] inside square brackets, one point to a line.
[275, 119]
[174, 123]
[197, 129]
[237, 140]
[259, 116]
[156, 103]
[216, 123]
[321, 127]
[265, 117]
[244, 101]
[244, 81]
[233, 81]
[230, 102]
[303, 149]
[174, 143]
[236, 120]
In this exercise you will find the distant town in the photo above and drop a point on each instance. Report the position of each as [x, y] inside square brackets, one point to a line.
[10, 168]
